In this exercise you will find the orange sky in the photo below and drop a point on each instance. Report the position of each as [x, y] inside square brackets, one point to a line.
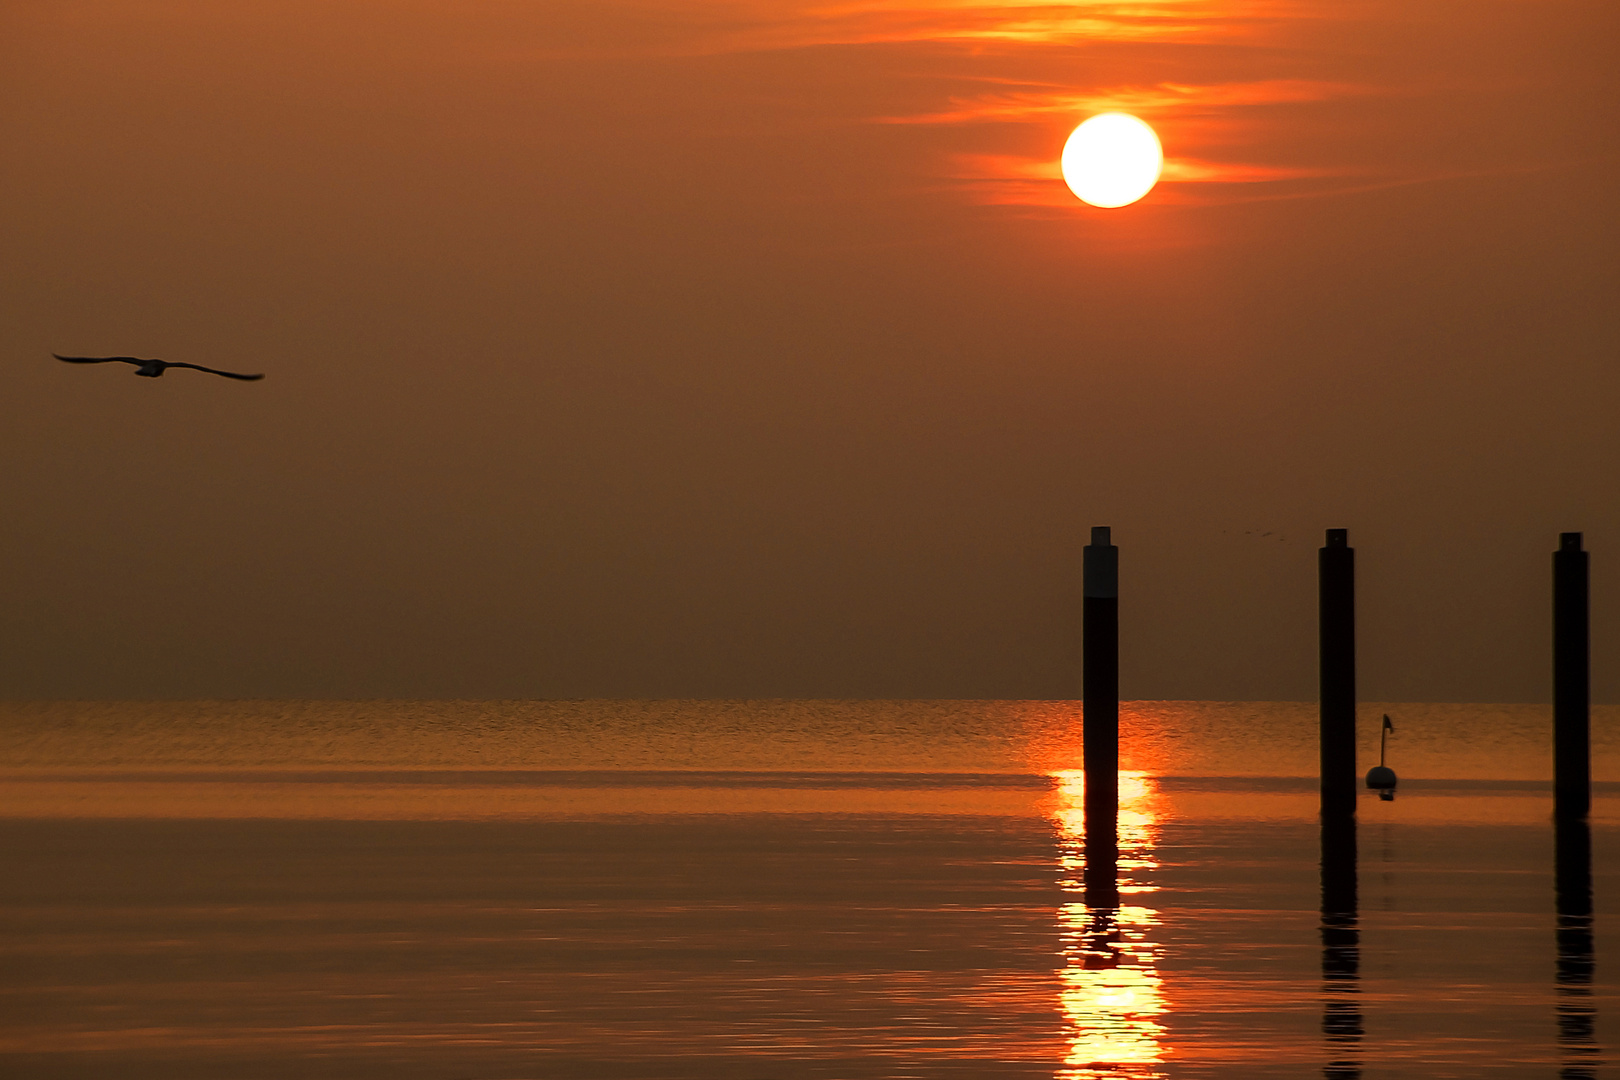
[755, 348]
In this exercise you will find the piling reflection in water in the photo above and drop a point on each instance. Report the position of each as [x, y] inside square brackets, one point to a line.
[1577, 1016]
[1341, 950]
[1113, 994]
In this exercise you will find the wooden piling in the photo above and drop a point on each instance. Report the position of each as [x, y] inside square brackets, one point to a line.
[1342, 1027]
[1572, 769]
[1100, 690]
[1336, 571]
[1576, 1011]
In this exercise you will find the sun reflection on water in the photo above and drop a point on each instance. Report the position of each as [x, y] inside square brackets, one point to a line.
[1113, 995]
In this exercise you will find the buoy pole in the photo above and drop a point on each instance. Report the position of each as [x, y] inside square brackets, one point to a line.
[1572, 768]
[1100, 690]
[1341, 934]
[1576, 1013]
[1341, 949]
[1336, 574]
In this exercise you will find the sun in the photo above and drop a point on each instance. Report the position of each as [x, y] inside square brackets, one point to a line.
[1113, 159]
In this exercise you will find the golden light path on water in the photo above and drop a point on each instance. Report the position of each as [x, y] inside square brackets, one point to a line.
[1113, 994]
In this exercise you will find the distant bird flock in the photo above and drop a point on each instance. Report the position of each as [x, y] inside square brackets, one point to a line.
[151, 368]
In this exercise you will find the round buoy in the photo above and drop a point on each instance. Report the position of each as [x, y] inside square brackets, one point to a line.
[1381, 778]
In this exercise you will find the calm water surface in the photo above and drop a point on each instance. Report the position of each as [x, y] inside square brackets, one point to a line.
[788, 889]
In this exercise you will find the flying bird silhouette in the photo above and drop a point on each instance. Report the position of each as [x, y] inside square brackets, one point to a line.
[151, 368]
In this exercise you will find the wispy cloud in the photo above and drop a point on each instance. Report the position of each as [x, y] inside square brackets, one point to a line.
[1010, 179]
[1193, 171]
[1037, 104]
[1021, 22]
[724, 26]
[1013, 180]
[1228, 62]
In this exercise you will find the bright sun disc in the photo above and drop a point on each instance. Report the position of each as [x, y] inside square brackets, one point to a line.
[1113, 159]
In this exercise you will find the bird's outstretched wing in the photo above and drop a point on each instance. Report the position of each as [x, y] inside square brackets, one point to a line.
[99, 359]
[216, 371]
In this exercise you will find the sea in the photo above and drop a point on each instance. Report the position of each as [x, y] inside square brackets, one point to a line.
[773, 890]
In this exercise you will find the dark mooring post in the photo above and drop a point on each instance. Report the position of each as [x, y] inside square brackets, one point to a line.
[1577, 1012]
[1572, 770]
[1101, 719]
[1341, 950]
[1336, 569]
